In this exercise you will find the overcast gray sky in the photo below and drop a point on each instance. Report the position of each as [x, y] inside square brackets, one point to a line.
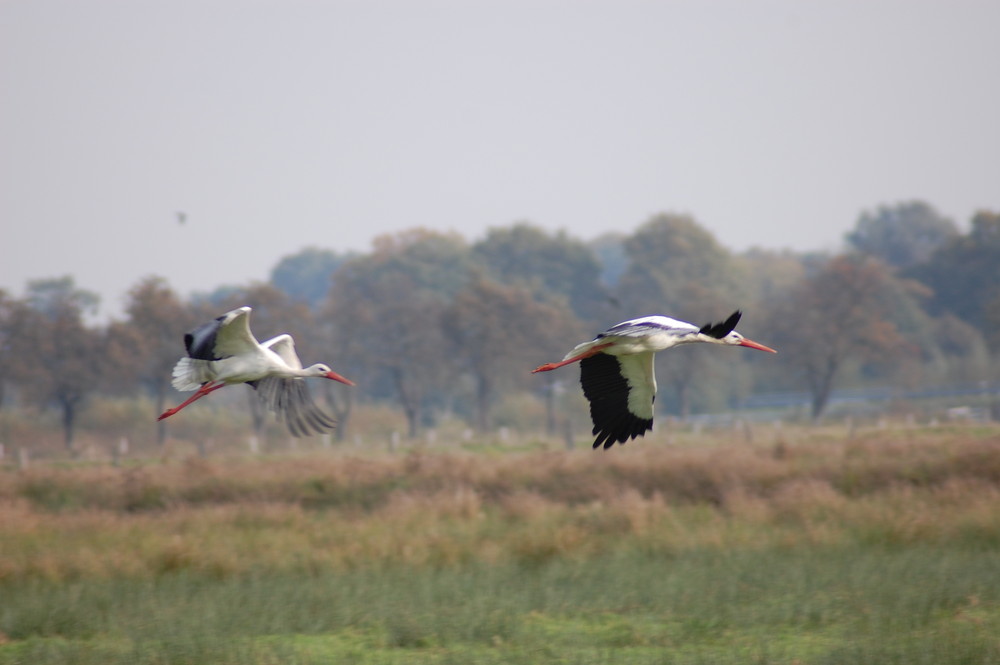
[276, 125]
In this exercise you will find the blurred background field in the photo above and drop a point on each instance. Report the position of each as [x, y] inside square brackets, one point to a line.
[836, 544]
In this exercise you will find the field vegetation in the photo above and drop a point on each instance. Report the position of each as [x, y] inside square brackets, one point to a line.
[812, 547]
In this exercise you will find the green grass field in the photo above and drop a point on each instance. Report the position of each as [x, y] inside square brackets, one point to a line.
[878, 549]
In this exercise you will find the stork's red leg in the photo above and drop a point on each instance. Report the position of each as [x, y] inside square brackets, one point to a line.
[201, 392]
[593, 351]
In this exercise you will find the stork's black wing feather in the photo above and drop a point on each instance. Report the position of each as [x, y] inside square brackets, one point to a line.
[290, 400]
[720, 330]
[607, 390]
[200, 342]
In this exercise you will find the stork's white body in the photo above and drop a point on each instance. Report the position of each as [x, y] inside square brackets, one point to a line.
[617, 369]
[255, 363]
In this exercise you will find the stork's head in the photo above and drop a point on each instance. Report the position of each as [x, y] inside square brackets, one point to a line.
[736, 339]
[724, 333]
[322, 371]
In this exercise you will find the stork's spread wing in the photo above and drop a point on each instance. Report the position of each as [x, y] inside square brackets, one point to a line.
[648, 325]
[284, 346]
[290, 400]
[229, 335]
[621, 390]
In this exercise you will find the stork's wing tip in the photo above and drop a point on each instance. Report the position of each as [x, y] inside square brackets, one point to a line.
[720, 330]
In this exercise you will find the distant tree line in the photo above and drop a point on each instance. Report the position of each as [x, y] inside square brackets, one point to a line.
[433, 324]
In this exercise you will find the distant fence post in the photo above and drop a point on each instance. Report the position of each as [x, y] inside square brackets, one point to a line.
[119, 451]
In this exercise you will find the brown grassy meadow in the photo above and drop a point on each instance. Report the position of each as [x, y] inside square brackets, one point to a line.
[230, 517]
[434, 512]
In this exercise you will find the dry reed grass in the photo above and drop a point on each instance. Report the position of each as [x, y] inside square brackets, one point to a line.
[243, 517]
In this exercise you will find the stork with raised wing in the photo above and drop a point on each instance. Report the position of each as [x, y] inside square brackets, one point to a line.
[224, 352]
[616, 369]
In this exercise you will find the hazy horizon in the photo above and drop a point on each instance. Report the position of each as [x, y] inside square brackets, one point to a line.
[279, 126]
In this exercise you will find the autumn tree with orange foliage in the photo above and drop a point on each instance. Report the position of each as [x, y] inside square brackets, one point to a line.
[837, 315]
[385, 310]
[56, 358]
[499, 333]
[7, 308]
[395, 331]
[145, 347]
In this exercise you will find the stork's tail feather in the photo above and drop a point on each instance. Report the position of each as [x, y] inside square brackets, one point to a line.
[190, 373]
[586, 349]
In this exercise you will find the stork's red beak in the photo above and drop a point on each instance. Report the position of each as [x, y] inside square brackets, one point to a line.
[337, 377]
[754, 345]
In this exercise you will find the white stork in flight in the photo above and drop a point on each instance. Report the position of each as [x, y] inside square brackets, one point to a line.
[616, 369]
[223, 352]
